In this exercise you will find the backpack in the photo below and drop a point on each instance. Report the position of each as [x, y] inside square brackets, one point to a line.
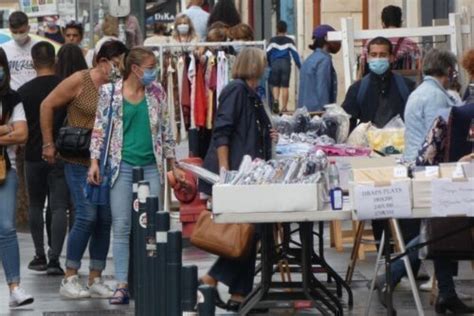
[399, 81]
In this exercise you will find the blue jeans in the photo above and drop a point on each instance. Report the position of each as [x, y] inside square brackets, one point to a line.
[9, 251]
[121, 205]
[398, 267]
[91, 223]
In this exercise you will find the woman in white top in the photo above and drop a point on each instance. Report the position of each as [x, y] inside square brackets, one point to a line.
[13, 132]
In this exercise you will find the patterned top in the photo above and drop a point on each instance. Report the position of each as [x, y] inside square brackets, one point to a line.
[81, 111]
[162, 137]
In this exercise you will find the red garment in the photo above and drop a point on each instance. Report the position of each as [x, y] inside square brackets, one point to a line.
[200, 102]
[186, 95]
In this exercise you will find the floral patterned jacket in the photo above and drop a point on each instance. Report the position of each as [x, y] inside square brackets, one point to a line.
[163, 142]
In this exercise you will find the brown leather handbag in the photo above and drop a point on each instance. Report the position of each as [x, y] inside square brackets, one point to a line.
[232, 241]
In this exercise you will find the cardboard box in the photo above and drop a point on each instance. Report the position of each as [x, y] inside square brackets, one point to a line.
[422, 178]
[266, 198]
[380, 175]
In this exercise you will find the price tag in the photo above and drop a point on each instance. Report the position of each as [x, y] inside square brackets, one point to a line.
[458, 171]
[400, 172]
[431, 171]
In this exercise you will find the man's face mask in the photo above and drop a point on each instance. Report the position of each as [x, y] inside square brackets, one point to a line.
[379, 65]
[20, 38]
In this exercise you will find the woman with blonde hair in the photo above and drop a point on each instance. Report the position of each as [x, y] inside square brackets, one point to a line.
[242, 127]
[183, 31]
[141, 137]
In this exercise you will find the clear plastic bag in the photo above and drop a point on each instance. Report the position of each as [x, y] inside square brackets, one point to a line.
[337, 123]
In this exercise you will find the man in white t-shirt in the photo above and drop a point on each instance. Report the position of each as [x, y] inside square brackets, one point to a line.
[199, 18]
[18, 50]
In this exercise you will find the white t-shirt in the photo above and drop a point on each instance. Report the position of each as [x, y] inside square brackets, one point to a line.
[18, 115]
[20, 62]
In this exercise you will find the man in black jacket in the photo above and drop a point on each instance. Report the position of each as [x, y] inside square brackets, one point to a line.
[381, 95]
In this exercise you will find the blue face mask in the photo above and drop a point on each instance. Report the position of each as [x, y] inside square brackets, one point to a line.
[379, 65]
[149, 75]
[2, 74]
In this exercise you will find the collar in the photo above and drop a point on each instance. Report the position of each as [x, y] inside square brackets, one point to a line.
[322, 51]
[433, 81]
[383, 77]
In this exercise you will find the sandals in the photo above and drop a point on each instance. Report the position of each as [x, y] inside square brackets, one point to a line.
[121, 297]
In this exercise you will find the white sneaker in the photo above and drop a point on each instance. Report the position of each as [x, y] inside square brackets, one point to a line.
[99, 289]
[18, 297]
[72, 288]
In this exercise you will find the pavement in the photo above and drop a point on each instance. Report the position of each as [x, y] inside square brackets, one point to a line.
[49, 303]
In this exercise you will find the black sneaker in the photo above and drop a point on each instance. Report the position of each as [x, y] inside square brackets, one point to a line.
[54, 268]
[38, 264]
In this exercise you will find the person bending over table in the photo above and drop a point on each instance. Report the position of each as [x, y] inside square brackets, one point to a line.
[242, 127]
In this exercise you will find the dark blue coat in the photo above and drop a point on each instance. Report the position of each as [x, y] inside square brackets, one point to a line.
[460, 122]
[241, 124]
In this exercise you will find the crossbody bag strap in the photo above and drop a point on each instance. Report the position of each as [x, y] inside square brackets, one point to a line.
[108, 133]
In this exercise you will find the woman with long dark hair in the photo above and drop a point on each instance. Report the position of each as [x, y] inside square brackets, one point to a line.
[13, 132]
[226, 12]
[70, 60]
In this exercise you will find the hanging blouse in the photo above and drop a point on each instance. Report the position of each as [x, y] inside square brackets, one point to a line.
[200, 108]
[192, 80]
[222, 74]
[180, 69]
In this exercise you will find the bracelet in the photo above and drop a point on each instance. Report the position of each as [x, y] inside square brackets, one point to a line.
[47, 145]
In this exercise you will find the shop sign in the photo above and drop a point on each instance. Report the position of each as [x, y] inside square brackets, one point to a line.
[37, 8]
[165, 11]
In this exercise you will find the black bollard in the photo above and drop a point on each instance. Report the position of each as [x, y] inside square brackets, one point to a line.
[189, 281]
[140, 250]
[206, 300]
[137, 176]
[163, 226]
[173, 273]
[151, 285]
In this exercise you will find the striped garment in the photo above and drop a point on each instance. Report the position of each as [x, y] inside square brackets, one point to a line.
[282, 47]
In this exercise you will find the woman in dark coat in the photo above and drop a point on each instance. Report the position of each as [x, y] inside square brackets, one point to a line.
[242, 127]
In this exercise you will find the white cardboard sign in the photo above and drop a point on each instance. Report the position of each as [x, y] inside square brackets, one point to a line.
[391, 201]
[451, 198]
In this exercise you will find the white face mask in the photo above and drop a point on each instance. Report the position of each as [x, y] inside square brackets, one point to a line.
[183, 29]
[20, 38]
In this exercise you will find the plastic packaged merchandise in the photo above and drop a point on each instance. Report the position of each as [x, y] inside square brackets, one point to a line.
[299, 122]
[390, 139]
[304, 169]
[337, 122]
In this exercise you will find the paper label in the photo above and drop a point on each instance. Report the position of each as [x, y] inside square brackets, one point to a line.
[393, 201]
[400, 172]
[161, 237]
[432, 171]
[452, 197]
[458, 171]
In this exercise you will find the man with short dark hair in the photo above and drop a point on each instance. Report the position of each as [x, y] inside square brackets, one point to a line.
[381, 95]
[406, 53]
[18, 50]
[73, 33]
[279, 53]
[377, 98]
[41, 177]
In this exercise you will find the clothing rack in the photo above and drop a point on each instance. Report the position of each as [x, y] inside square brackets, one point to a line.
[166, 190]
[162, 47]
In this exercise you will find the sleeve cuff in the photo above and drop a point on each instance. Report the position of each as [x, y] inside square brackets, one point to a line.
[221, 141]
